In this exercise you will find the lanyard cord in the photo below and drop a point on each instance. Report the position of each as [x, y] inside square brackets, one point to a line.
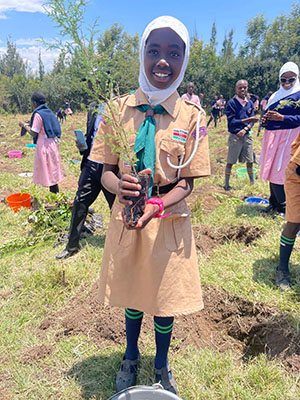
[194, 150]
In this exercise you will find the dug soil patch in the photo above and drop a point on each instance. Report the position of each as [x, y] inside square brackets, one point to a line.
[202, 198]
[220, 154]
[227, 322]
[9, 167]
[207, 238]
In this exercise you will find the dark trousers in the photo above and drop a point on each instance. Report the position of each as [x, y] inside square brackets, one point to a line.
[89, 186]
[54, 188]
[214, 117]
[277, 198]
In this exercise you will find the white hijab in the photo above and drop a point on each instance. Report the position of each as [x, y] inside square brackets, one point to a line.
[281, 93]
[154, 95]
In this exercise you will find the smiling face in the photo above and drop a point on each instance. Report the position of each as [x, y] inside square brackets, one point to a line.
[287, 80]
[163, 57]
[241, 88]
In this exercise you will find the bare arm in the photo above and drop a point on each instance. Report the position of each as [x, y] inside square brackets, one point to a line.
[128, 186]
[27, 128]
[183, 188]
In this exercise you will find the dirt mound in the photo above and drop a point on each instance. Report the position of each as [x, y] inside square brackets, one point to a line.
[227, 322]
[207, 237]
[36, 353]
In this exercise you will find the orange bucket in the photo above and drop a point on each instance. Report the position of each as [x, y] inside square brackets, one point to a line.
[17, 200]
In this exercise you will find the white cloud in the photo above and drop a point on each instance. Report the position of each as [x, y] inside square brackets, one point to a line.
[31, 55]
[27, 42]
[21, 6]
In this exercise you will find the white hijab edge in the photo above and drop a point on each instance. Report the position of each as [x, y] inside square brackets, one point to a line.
[281, 92]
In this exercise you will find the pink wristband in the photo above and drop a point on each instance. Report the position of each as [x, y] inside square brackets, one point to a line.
[159, 202]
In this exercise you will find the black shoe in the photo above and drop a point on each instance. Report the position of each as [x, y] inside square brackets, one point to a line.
[67, 253]
[165, 378]
[126, 376]
[267, 210]
[282, 280]
[227, 188]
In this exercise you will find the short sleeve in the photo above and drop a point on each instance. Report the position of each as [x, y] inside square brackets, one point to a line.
[200, 164]
[37, 123]
[103, 143]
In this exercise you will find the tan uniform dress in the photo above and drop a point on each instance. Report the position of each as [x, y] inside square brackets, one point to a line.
[292, 184]
[155, 269]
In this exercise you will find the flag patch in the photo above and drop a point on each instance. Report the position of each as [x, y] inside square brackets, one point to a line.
[180, 135]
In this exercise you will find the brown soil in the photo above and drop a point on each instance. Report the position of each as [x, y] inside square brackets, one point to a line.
[17, 144]
[203, 198]
[69, 183]
[4, 394]
[220, 154]
[216, 168]
[207, 237]
[36, 353]
[8, 167]
[227, 322]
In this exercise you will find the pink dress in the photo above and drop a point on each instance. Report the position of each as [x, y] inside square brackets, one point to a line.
[47, 168]
[276, 153]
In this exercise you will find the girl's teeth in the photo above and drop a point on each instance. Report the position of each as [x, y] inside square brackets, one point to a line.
[161, 75]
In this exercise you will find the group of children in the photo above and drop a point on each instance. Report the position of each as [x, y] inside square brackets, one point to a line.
[152, 267]
[281, 120]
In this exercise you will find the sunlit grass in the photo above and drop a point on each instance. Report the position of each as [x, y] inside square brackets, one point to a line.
[34, 285]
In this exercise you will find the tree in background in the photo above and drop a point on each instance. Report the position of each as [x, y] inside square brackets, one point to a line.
[122, 52]
[114, 55]
[11, 62]
[41, 67]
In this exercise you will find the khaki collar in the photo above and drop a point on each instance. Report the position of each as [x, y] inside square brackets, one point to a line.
[171, 104]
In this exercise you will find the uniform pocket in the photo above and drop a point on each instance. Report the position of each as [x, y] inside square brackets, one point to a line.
[175, 149]
[172, 151]
[177, 233]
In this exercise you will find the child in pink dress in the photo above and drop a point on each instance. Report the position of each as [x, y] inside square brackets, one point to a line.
[47, 170]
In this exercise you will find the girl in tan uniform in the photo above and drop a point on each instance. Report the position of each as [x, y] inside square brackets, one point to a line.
[152, 267]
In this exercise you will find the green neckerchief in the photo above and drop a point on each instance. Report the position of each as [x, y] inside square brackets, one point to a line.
[144, 146]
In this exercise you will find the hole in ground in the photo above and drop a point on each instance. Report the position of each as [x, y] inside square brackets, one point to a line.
[227, 322]
[207, 237]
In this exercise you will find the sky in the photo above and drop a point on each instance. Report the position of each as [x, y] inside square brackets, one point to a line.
[25, 21]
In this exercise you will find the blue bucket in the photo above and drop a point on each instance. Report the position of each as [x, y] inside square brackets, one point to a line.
[31, 145]
[256, 200]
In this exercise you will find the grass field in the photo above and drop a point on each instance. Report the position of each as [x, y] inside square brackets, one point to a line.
[57, 343]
